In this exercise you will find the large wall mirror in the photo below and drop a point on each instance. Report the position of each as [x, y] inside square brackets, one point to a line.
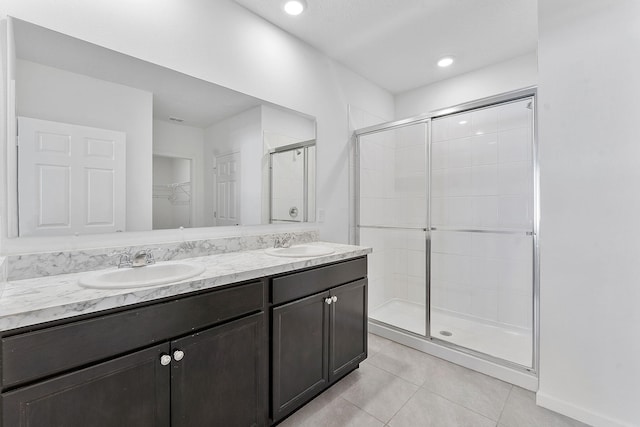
[109, 143]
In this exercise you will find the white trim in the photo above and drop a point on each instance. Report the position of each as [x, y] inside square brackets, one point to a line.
[578, 412]
[12, 135]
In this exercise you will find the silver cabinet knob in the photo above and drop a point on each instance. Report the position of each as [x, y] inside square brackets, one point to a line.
[334, 298]
[178, 355]
[165, 359]
[328, 301]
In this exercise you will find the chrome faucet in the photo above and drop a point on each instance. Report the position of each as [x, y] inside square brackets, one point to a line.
[125, 258]
[142, 258]
[283, 241]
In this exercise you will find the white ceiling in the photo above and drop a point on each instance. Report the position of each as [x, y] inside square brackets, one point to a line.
[396, 43]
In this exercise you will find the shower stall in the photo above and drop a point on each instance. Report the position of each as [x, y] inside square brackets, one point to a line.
[448, 201]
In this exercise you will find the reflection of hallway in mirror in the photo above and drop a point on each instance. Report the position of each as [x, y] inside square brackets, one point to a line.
[171, 192]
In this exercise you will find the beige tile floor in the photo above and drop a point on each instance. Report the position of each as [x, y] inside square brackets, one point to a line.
[401, 387]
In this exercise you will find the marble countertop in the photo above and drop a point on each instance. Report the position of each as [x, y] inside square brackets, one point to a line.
[43, 299]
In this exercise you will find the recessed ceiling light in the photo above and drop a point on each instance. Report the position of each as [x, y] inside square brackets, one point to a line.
[462, 122]
[295, 7]
[445, 62]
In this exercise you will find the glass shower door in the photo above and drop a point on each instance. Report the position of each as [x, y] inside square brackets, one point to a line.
[392, 219]
[482, 230]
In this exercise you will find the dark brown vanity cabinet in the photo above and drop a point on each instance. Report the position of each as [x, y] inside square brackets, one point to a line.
[132, 390]
[200, 359]
[215, 376]
[221, 378]
[318, 331]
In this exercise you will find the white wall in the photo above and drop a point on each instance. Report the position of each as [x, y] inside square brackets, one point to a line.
[230, 46]
[516, 73]
[283, 122]
[589, 104]
[242, 134]
[52, 94]
[174, 140]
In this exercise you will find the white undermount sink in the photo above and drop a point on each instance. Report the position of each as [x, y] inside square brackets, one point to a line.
[137, 277]
[299, 251]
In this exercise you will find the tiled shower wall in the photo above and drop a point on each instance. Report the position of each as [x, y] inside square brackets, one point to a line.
[392, 194]
[482, 179]
[483, 275]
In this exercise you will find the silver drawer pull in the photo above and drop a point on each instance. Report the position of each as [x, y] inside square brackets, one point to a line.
[334, 298]
[165, 359]
[328, 300]
[178, 355]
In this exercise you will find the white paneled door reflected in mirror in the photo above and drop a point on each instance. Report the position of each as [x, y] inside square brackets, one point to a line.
[143, 126]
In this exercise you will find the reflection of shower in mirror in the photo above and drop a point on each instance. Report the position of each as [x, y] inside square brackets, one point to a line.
[292, 183]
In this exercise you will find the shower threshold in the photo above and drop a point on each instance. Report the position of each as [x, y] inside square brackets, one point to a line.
[506, 343]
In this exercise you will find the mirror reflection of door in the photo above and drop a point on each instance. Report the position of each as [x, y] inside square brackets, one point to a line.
[171, 192]
[227, 188]
[71, 178]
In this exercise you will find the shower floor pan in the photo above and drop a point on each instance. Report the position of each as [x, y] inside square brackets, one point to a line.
[505, 343]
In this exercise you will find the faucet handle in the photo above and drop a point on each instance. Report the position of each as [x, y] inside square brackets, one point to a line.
[125, 258]
[287, 239]
[150, 258]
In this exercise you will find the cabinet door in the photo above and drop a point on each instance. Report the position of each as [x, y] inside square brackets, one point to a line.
[221, 378]
[348, 333]
[299, 352]
[131, 390]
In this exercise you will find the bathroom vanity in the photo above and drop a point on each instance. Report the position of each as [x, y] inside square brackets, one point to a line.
[244, 348]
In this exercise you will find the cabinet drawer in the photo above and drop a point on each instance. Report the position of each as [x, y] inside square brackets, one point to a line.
[298, 285]
[37, 354]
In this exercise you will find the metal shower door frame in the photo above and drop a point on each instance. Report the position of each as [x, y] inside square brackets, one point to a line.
[385, 127]
[529, 92]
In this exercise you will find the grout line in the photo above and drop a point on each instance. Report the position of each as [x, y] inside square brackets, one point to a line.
[463, 406]
[362, 409]
[423, 386]
[397, 377]
[403, 405]
[505, 404]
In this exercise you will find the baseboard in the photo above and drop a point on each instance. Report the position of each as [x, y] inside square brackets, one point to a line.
[578, 412]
